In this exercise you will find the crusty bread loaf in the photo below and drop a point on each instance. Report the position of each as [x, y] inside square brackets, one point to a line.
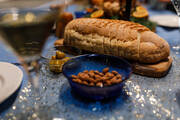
[116, 37]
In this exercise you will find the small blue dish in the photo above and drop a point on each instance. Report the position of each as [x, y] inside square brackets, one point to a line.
[96, 62]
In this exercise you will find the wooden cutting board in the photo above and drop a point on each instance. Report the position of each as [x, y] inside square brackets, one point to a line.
[153, 70]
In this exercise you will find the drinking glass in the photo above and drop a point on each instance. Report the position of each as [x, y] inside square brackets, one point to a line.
[176, 4]
[24, 27]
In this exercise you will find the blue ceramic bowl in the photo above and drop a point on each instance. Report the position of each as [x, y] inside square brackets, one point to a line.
[96, 62]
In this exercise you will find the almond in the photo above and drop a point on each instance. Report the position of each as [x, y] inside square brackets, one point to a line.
[91, 74]
[108, 74]
[85, 71]
[77, 80]
[79, 74]
[74, 76]
[108, 82]
[99, 84]
[105, 78]
[98, 79]
[83, 76]
[99, 73]
[74, 80]
[114, 80]
[91, 84]
[105, 70]
[119, 76]
[91, 80]
[86, 77]
[97, 76]
[91, 71]
[119, 80]
[85, 82]
[115, 72]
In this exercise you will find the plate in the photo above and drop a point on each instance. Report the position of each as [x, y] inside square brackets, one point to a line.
[10, 80]
[166, 20]
[97, 62]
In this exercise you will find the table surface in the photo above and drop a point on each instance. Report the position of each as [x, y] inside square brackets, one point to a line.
[144, 98]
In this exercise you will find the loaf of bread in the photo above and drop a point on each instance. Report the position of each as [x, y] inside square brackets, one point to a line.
[116, 37]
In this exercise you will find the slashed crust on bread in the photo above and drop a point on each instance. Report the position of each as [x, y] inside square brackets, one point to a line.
[116, 37]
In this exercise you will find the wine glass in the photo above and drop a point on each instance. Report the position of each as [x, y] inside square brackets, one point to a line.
[25, 27]
[176, 4]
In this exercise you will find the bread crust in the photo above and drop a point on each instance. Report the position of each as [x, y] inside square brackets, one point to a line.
[116, 37]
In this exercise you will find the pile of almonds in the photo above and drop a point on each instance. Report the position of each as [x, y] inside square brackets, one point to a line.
[96, 78]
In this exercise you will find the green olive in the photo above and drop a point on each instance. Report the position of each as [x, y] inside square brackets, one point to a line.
[53, 58]
[60, 55]
[58, 62]
[51, 62]
[56, 66]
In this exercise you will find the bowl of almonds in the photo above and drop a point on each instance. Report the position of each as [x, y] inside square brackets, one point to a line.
[97, 77]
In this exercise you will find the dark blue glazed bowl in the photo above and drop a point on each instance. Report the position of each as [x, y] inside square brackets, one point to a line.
[96, 62]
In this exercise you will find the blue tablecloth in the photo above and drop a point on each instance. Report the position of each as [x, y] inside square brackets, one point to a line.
[145, 98]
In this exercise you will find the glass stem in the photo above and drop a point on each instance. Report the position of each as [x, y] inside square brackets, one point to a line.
[34, 77]
[32, 69]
